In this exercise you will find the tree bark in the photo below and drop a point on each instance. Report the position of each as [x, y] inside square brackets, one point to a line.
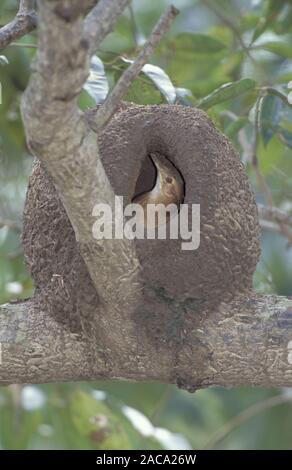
[246, 342]
[24, 22]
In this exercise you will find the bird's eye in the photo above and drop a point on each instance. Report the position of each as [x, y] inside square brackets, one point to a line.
[168, 179]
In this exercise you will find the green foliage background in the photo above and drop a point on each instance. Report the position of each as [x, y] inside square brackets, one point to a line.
[246, 43]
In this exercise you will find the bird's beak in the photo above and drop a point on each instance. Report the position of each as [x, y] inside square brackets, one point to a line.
[155, 160]
[161, 169]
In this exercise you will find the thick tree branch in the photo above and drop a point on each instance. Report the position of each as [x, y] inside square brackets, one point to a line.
[58, 134]
[247, 342]
[113, 100]
[36, 349]
[23, 23]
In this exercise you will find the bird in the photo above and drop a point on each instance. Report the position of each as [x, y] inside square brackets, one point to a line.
[168, 187]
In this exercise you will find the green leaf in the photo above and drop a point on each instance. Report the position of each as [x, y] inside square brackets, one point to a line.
[188, 43]
[281, 48]
[289, 97]
[92, 418]
[143, 91]
[272, 11]
[227, 92]
[184, 96]
[97, 85]
[234, 127]
[160, 79]
[270, 116]
[3, 60]
[285, 136]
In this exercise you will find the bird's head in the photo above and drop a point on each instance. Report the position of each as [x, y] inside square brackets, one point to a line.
[169, 181]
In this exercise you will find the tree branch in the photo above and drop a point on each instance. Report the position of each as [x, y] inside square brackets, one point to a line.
[113, 100]
[36, 349]
[101, 21]
[244, 416]
[275, 220]
[12, 224]
[273, 214]
[221, 352]
[260, 178]
[23, 23]
[222, 349]
[230, 24]
[271, 218]
[58, 134]
[270, 226]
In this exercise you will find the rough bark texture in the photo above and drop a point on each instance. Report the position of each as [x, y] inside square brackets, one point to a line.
[59, 136]
[246, 342]
[24, 22]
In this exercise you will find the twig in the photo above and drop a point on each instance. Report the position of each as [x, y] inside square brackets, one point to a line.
[24, 22]
[276, 228]
[14, 254]
[10, 224]
[244, 416]
[101, 21]
[15, 390]
[273, 214]
[270, 226]
[112, 102]
[23, 44]
[246, 145]
[271, 218]
[260, 178]
[273, 91]
[231, 25]
[135, 31]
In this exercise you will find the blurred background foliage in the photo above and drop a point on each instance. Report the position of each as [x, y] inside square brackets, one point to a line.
[243, 43]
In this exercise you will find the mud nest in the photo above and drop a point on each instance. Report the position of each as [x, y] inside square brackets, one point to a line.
[220, 268]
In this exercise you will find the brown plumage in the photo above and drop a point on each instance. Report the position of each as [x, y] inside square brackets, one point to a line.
[168, 188]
